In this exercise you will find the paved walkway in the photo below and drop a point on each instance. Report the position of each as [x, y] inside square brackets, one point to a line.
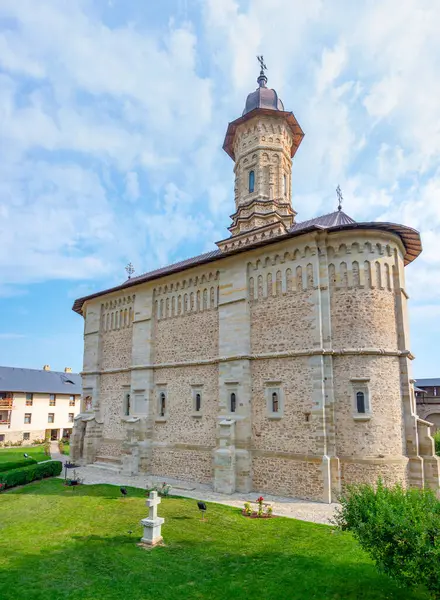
[315, 512]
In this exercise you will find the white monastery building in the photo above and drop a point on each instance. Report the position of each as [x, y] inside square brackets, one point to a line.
[279, 362]
[35, 404]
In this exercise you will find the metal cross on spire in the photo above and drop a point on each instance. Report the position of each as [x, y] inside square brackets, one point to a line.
[130, 270]
[340, 197]
[262, 64]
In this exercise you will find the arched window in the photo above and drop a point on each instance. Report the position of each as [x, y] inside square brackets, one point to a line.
[284, 184]
[275, 402]
[251, 181]
[162, 404]
[127, 405]
[198, 402]
[360, 402]
[233, 402]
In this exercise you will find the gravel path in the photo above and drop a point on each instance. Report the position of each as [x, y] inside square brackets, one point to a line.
[316, 512]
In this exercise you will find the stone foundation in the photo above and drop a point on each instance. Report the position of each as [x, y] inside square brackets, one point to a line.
[190, 465]
[288, 477]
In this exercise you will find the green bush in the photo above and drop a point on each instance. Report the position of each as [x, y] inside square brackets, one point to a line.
[27, 474]
[15, 464]
[436, 437]
[400, 530]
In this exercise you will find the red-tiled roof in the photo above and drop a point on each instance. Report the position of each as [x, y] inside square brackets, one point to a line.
[336, 221]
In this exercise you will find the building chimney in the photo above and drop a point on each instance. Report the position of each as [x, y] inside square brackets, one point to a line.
[67, 369]
[46, 368]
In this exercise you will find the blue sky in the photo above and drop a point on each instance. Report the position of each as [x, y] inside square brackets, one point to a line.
[112, 118]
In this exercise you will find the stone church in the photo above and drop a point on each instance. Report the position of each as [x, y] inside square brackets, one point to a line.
[279, 362]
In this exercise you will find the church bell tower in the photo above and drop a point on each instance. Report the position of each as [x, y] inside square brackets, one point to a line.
[262, 143]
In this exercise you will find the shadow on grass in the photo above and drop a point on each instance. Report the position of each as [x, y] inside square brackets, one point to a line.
[115, 567]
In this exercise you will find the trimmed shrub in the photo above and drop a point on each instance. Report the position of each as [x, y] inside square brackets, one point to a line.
[16, 464]
[436, 437]
[400, 530]
[27, 474]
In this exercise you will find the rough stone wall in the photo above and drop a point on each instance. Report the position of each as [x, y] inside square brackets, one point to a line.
[111, 398]
[363, 311]
[181, 427]
[292, 432]
[383, 433]
[353, 473]
[191, 465]
[116, 349]
[276, 475]
[282, 323]
[187, 338]
[281, 296]
[116, 332]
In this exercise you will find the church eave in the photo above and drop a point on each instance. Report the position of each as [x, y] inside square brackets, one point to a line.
[297, 132]
[410, 239]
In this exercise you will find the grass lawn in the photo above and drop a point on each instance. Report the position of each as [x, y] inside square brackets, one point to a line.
[61, 543]
[16, 453]
[66, 449]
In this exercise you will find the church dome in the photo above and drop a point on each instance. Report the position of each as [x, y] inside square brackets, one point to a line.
[263, 97]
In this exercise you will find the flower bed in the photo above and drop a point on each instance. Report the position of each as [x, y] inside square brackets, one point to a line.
[264, 510]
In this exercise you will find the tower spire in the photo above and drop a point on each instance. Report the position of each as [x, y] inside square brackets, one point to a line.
[262, 79]
[340, 197]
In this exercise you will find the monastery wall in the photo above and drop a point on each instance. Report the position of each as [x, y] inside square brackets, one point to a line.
[314, 319]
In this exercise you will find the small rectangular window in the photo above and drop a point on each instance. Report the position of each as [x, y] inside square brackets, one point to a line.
[51, 418]
[162, 404]
[27, 418]
[52, 400]
[71, 400]
[197, 400]
[127, 405]
[360, 402]
[361, 399]
[274, 400]
[29, 399]
[2, 437]
[233, 402]
[26, 436]
[71, 416]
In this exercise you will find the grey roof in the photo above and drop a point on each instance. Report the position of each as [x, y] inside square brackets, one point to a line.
[331, 220]
[14, 379]
[335, 221]
[263, 97]
[421, 383]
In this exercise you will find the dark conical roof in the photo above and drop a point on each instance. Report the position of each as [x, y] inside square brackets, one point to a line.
[263, 97]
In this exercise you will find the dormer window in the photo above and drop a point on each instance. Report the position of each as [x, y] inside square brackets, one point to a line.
[251, 181]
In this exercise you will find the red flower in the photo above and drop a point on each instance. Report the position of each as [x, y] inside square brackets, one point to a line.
[260, 499]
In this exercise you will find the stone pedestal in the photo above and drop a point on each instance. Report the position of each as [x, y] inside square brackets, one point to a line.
[152, 524]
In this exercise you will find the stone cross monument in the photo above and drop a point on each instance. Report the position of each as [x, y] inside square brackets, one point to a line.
[152, 524]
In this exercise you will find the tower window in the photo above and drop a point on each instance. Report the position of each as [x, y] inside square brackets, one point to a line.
[233, 402]
[360, 402]
[127, 405]
[284, 184]
[275, 402]
[251, 181]
[198, 402]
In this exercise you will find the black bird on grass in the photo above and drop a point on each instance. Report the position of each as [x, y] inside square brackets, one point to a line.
[26, 455]
[123, 491]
